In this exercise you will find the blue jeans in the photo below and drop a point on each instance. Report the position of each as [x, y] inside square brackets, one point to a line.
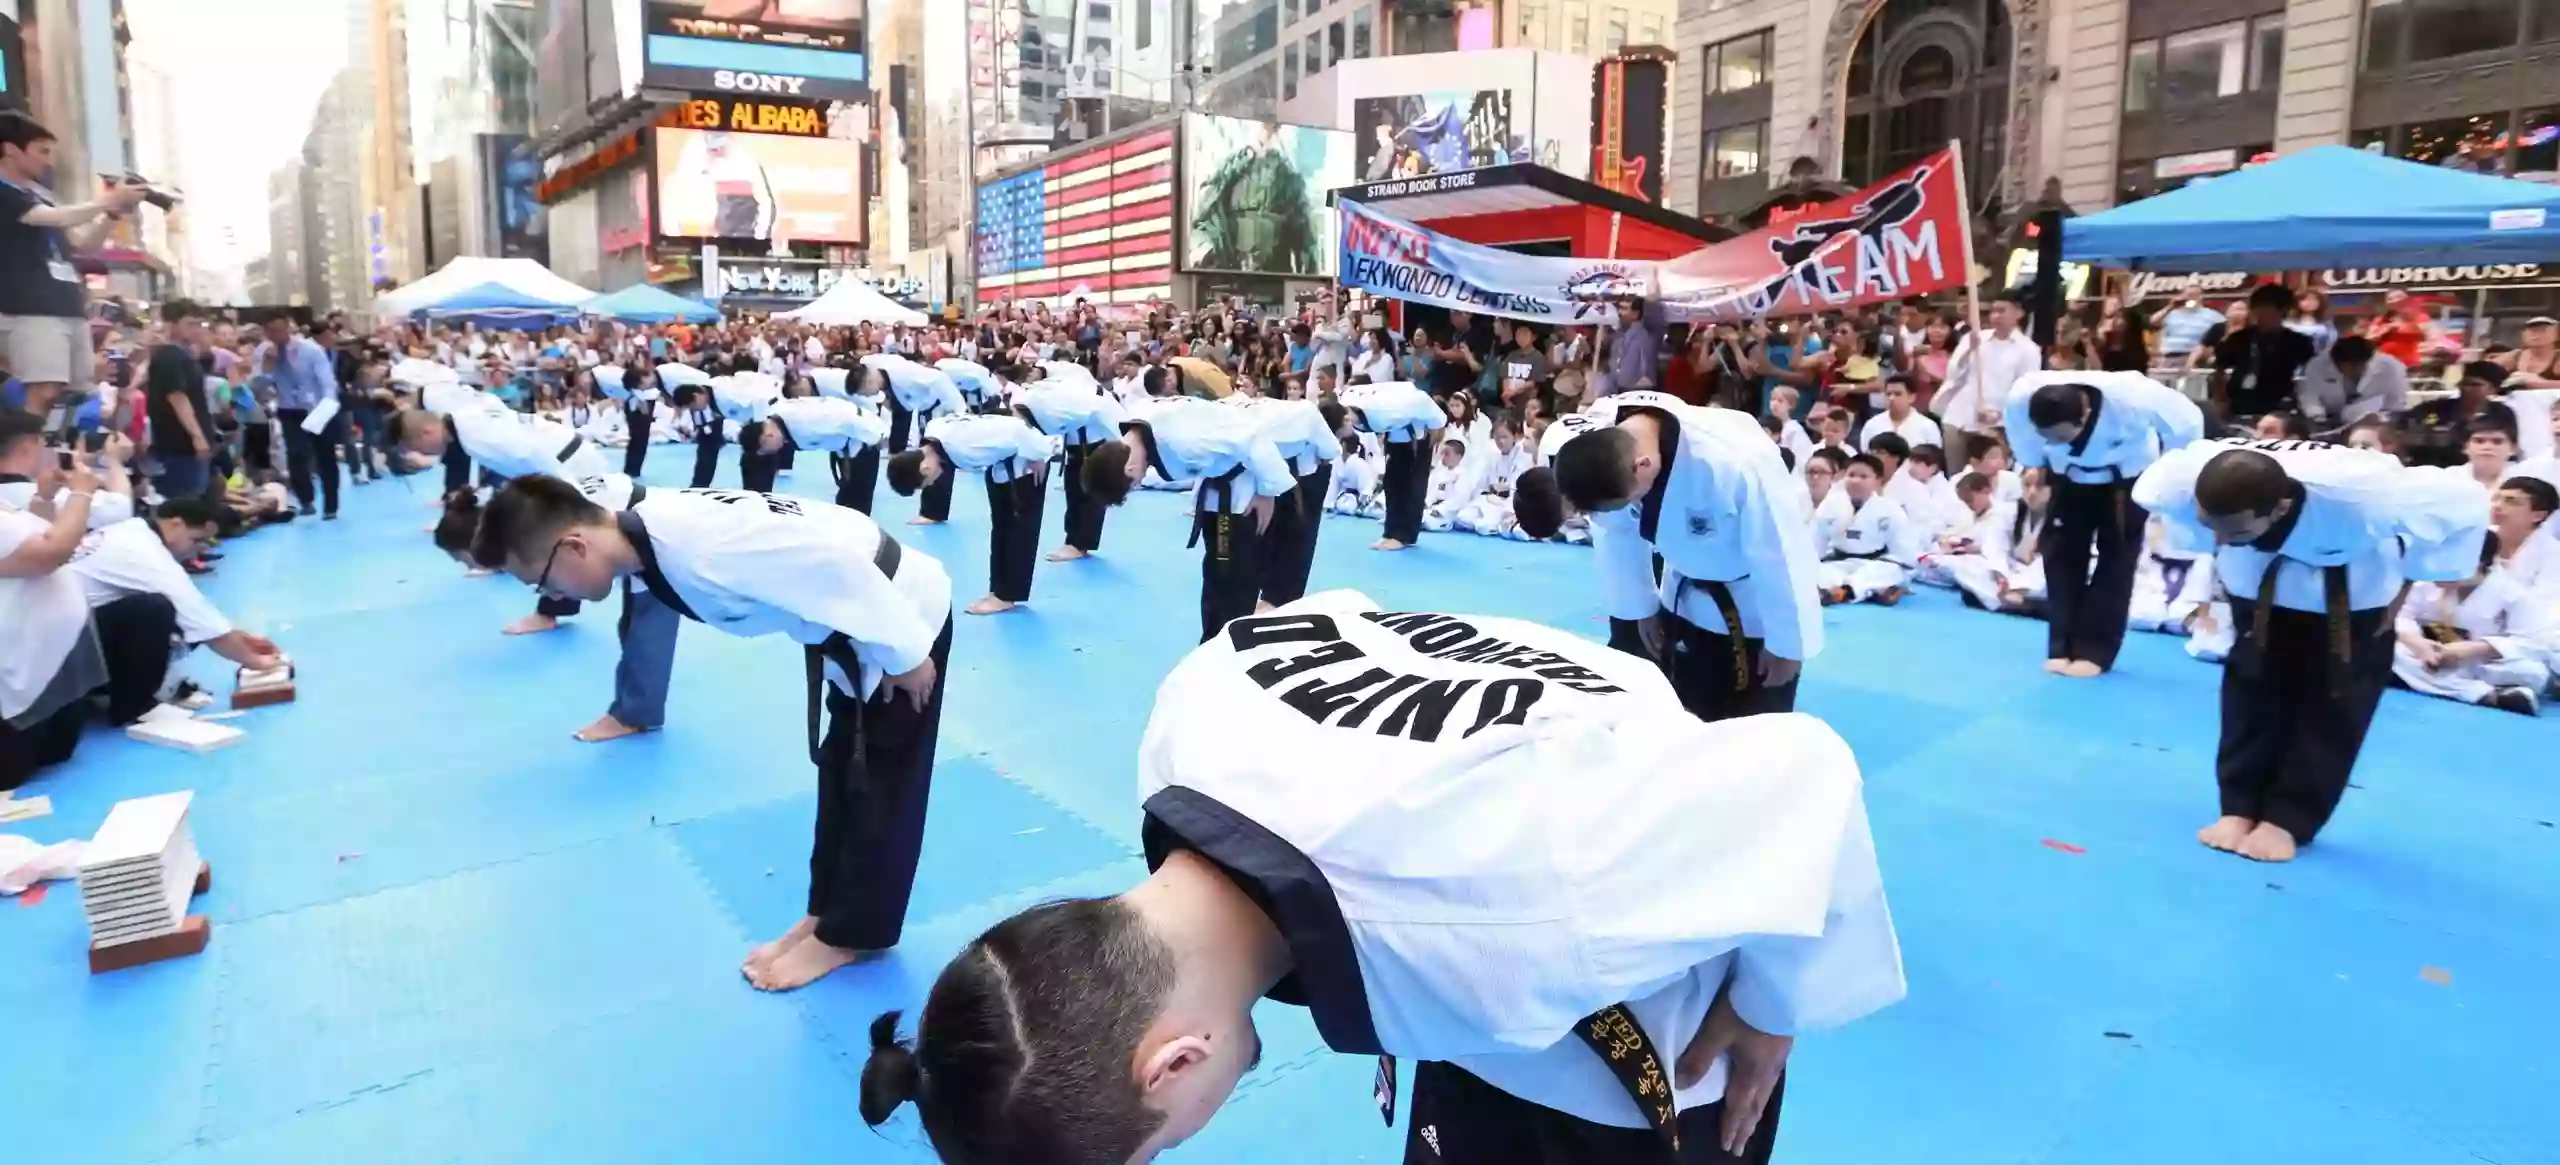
[640, 678]
[183, 476]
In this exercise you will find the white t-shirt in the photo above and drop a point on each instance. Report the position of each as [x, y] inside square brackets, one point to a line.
[40, 619]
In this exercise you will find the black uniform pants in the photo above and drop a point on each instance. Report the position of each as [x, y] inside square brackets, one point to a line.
[856, 477]
[1013, 535]
[935, 503]
[1458, 1119]
[756, 469]
[258, 447]
[1717, 676]
[135, 634]
[636, 454]
[1084, 515]
[457, 467]
[1289, 547]
[1407, 482]
[306, 454]
[875, 774]
[2294, 716]
[1230, 568]
[706, 460]
[901, 420]
[2085, 609]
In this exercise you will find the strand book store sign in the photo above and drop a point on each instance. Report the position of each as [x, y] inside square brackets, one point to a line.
[812, 50]
[1100, 219]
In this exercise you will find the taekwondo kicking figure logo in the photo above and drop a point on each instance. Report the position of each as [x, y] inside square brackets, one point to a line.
[1872, 218]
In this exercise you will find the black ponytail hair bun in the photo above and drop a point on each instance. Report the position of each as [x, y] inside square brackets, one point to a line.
[891, 1077]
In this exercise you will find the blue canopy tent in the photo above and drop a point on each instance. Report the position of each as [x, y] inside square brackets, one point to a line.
[2324, 207]
[499, 307]
[643, 303]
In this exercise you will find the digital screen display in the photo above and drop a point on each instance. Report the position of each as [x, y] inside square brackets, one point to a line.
[763, 187]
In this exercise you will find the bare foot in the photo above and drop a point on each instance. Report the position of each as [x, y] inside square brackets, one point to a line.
[921, 520]
[2226, 834]
[2055, 666]
[2080, 669]
[764, 954]
[1065, 554]
[606, 728]
[2268, 843]
[1387, 544]
[801, 964]
[991, 605]
[1261, 605]
[533, 625]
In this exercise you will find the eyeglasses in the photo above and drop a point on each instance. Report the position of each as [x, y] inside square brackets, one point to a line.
[542, 582]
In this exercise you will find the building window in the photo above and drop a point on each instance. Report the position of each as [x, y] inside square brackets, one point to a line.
[1577, 27]
[1146, 30]
[1533, 25]
[2542, 20]
[2405, 32]
[1289, 72]
[1360, 32]
[1615, 37]
[2204, 65]
[1737, 64]
[1333, 45]
[2141, 75]
[2476, 143]
[1737, 151]
[1649, 29]
[1289, 12]
[1315, 53]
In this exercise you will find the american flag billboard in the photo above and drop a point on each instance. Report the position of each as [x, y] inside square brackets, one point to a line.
[1099, 219]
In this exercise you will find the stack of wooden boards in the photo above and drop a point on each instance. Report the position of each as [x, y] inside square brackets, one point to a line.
[136, 879]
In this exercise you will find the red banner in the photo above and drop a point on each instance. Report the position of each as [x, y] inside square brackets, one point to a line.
[1904, 236]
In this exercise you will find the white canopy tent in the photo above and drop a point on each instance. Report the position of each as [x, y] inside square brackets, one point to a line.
[851, 301]
[470, 271]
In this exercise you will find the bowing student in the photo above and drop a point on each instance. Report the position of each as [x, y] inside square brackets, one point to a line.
[702, 423]
[2316, 545]
[980, 389]
[2094, 432]
[1866, 543]
[855, 466]
[920, 393]
[1642, 991]
[1239, 480]
[1405, 419]
[1081, 416]
[874, 619]
[1308, 435]
[847, 431]
[635, 389]
[505, 443]
[1736, 609]
[743, 399]
[2487, 639]
[1014, 458]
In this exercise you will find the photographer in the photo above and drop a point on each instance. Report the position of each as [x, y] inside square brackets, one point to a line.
[43, 304]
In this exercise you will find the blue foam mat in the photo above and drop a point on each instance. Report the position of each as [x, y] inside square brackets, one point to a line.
[447, 933]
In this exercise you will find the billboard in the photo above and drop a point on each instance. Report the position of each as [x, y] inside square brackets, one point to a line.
[1415, 134]
[1627, 112]
[1099, 218]
[713, 184]
[511, 171]
[1254, 195]
[810, 49]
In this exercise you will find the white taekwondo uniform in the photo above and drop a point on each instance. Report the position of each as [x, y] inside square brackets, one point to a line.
[1867, 549]
[1501, 847]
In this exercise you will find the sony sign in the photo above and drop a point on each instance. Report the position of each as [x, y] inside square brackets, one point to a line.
[742, 82]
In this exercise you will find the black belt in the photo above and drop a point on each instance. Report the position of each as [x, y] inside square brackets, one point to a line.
[1722, 596]
[571, 449]
[838, 646]
[1869, 556]
[1225, 484]
[2339, 617]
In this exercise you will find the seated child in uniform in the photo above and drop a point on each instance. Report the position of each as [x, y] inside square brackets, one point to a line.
[1867, 544]
[1447, 488]
[2169, 587]
[1489, 512]
[1821, 473]
[1917, 487]
[2009, 574]
[1356, 480]
[1963, 537]
[2485, 640]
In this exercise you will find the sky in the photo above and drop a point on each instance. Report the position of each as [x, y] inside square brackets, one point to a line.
[248, 74]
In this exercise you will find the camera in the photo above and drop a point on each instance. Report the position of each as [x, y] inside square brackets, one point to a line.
[150, 193]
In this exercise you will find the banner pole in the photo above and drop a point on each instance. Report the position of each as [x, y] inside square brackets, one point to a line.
[1972, 293]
